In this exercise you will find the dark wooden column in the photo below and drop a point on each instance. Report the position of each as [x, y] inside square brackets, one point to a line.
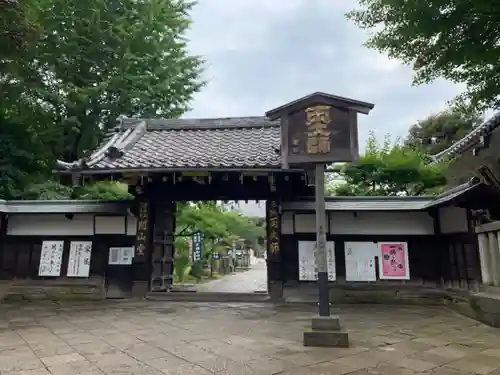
[141, 264]
[274, 264]
[162, 251]
[438, 249]
[3, 234]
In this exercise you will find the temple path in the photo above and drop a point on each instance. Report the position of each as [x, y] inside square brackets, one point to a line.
[253, 280]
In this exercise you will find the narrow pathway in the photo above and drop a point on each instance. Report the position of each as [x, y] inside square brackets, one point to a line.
[253, 280]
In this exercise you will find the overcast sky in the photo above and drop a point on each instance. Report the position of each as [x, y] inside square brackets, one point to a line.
[263, 53]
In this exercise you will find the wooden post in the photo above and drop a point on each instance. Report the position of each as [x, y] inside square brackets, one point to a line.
[321, 256]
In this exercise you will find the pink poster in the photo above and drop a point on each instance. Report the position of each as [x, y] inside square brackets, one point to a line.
[393, 259]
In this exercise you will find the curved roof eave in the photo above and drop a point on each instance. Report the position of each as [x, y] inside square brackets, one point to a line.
[469, 140]
[121, 140]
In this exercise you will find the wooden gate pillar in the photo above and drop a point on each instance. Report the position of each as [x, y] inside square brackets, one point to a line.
[141, 268]
[163, 246]
[274, 264]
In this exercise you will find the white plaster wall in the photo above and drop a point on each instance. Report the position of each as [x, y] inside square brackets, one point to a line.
[50, 224]
[59, 225]
[287, 223]
[364, 222]
[110, 225]
[404, 223]
[453, 219]
[131, 225]
[306, 223]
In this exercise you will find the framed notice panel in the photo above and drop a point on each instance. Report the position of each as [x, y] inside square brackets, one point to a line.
[119, 256]
[51, 258]
[393, 261]
[307, 261]
[360, 261]
[79, 259]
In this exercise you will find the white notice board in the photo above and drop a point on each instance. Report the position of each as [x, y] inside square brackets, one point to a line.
[79, 259]
[51, 258]
[121, 255]
[360, 261]
[307, 261]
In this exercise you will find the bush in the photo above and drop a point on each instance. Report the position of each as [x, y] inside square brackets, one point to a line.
[197, 270]
[181, 262]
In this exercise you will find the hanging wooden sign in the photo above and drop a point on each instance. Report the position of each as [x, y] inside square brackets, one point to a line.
[319, 128]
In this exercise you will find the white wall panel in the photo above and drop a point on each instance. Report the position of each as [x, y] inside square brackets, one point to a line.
[287, 223]
[110, 225]
[131, 225]
[360, 261]
[306, 223]
[453, 219]
[50, 225]
[404, 223]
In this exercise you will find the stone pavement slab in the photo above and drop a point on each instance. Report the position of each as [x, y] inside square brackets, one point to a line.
[172, 338]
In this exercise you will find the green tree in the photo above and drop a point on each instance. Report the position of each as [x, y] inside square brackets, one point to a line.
[22, 154]
[17, 29]
[390, 170]
[19, 162]
[68, 69]
[104, 190]
[181, 258]
[439, 131]
[48, 190]
[457, 40]
[98, 59]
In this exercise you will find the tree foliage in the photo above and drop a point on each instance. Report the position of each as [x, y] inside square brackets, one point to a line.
[457, 40]
[217, 224]
[390, 170]
[439, 131]
[99, 59]
[220, 228]
[53, 190]
[19, 162]
[69, 68]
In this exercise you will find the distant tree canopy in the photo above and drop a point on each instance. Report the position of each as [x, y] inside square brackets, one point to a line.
[439, 131]
[390, 170]
[456, 40]
[217, 223]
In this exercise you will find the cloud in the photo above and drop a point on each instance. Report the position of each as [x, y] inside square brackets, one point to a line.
[261, 54]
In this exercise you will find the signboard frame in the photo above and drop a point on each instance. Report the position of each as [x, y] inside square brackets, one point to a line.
[78, 263]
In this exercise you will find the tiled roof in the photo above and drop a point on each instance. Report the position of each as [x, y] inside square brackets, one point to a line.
[470, 140]
[419, 203]
[65, 206]
[450, 195]
[365, 204]
[243, 142]
[391, 203]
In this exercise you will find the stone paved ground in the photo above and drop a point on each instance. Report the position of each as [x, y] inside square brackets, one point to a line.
[253, 280]
[158, 338]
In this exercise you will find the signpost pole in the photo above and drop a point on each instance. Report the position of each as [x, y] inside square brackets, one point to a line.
[321, 254]
[316, 130]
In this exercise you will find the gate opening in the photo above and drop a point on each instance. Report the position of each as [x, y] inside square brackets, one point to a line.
[220, 247]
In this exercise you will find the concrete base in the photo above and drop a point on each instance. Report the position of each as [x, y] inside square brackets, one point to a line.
[276, 290]
[330, 339]
[325, 331]
[140, 288]
[326, 323]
